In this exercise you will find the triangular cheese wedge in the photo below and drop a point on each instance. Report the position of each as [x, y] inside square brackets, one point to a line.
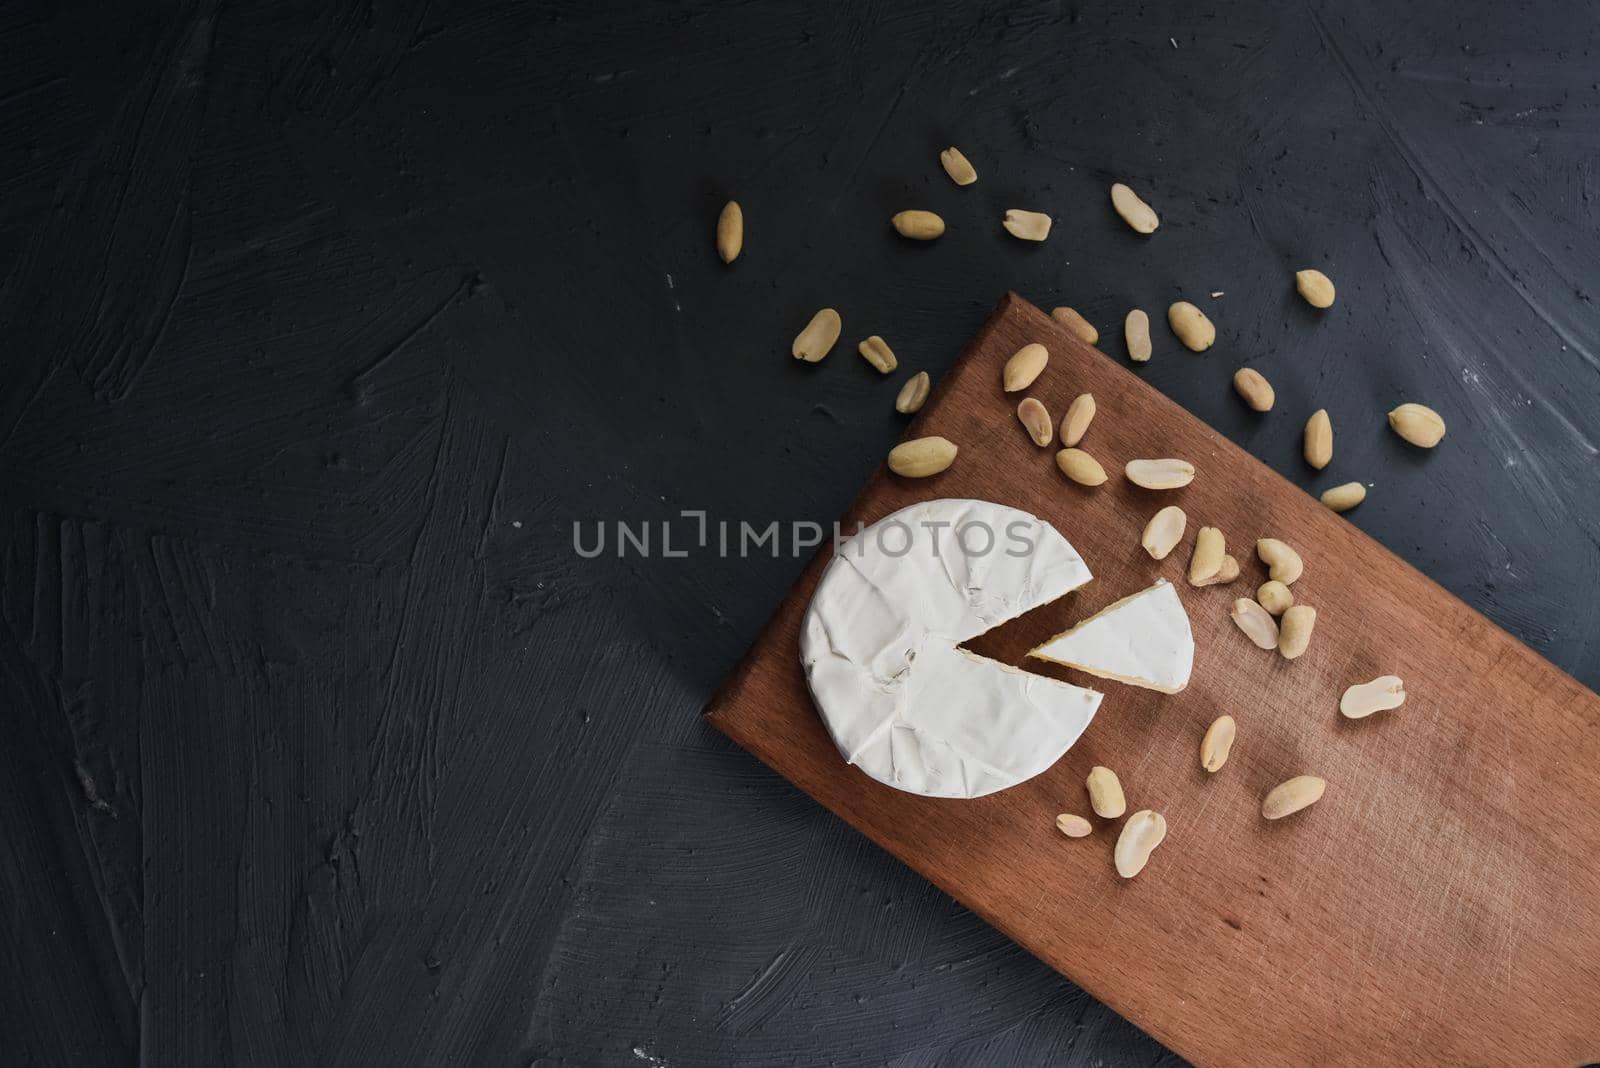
[1142, 640]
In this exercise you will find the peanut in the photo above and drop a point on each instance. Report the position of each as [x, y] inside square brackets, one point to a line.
[1140, 835]
[1225, 574]
[918, 225]
[1379, 695]
[921, 457]
[1294, 630]
[1256, 622]
[1164, 474]
[1283, 563]
[1079, 466]
[816, 340]
[1027, 225]
[1209, 551]
[1025, 365]
[1075, 424]
[1073, 826]
[1134, 211]
[877, 352]
[1256, 390]
[1136, 332]
[1036, 421]
[1418, 424]
[1344, 497]
[730, 231]
[913, 395]
[1164, 531]
[1318, 444]
[1217, 743]
[1105, 793]
[1290, 797]
[1274, 596]
[957, 166]
[1191, 326]
[1080, 326]
[1315, 287]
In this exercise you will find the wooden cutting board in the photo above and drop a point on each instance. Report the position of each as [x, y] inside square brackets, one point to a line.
[1441, 904]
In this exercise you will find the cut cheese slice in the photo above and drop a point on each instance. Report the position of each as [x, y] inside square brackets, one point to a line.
[1142, 640]
[879, 646]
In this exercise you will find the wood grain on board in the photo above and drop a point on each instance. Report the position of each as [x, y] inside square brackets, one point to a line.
[1441, 904]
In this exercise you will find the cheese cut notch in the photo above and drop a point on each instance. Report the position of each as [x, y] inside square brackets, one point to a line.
[880, 644]
[1142, 640]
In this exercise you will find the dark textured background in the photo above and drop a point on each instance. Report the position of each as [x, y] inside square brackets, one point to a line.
[323, 321]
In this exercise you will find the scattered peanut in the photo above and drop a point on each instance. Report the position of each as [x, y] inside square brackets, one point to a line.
[1283, 563]
[918, 225]
[1225, 574]
[1275, 597]
[1036, 420]
[1256, 622]
[1165, 474]
[1191, 326]
[1379, 695]
[1027, 225]
[1287, 798]
[913, 395]
[1344, 497]
[1164, 531]
[1075, 424]
[1217, 743]
[1294, 630]
[1024, 366]
[730, 231]
[1418, 424]
[1256, 390]
[816, 340]
[1136, 332]
[1140, 835]
[1079, 466]
[1105, 793]
[1209, 551]
[1069, 318]
[1074, 826]
[877, 352]
[1315, 287]
[1318, 445]
[957, 166]
[1134, 211]
[921, 457]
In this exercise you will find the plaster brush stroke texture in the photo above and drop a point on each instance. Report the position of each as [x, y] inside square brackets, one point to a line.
[322, 323]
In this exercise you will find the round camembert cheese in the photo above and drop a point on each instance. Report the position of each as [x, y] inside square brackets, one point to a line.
[880, 639]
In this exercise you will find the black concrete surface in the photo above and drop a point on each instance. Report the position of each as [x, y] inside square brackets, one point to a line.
[322, 323]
